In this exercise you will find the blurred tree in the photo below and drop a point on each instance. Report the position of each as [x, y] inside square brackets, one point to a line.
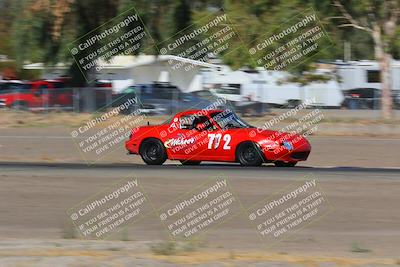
[380, 19]
[42, 29]
[256, 19]
[182, 15]
[7, 17]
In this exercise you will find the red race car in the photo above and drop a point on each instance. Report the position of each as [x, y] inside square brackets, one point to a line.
[215, 135]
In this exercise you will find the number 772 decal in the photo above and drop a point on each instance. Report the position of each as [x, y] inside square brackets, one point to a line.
[214, 140]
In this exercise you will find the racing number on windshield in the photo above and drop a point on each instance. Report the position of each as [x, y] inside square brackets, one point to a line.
[214, 140]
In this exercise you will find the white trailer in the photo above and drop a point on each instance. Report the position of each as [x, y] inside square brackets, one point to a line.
[271, 87]
[365, 74]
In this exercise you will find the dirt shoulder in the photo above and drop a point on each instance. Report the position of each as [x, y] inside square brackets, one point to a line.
[115, 253]
[331, 123]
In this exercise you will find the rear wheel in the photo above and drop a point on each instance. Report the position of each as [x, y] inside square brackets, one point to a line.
[285, 164]
[190, 162]
[248, 154]
[153, 152]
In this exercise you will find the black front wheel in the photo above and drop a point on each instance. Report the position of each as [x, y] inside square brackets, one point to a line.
[248, 154]
[153, 152]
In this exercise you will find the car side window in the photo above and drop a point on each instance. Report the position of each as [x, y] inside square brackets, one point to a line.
[186, 122]
[20, 88]
[163, 93]
[203, 123]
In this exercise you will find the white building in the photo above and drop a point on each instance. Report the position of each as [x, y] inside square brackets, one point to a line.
[272, 87]
[142, 69]
[192, 75]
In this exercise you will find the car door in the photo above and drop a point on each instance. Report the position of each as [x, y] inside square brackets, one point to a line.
[219, 145]
[184, 141]
[19, 94]
[214, 143]
[40, 97]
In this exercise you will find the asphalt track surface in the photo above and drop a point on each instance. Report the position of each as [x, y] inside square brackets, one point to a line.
[53, 145]
[35, 198]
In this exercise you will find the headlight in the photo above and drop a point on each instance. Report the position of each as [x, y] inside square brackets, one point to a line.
[287, 145]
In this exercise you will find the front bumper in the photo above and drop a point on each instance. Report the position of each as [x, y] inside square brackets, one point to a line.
[299, 151]
[132, 147]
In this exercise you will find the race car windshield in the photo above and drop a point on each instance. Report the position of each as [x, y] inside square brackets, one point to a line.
[228, 120]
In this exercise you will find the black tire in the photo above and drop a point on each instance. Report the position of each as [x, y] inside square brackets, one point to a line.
[153, 152]
[190, 162]
[248, 154]
[285, 164]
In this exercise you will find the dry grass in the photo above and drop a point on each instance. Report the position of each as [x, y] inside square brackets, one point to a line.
[10, 118]
[205, 257]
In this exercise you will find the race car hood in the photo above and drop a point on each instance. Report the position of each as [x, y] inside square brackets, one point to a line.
[270, 134]
[266, 137]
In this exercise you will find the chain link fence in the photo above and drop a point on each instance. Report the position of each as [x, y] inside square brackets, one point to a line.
[163, 102]
[91, 99]
[61, 99]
